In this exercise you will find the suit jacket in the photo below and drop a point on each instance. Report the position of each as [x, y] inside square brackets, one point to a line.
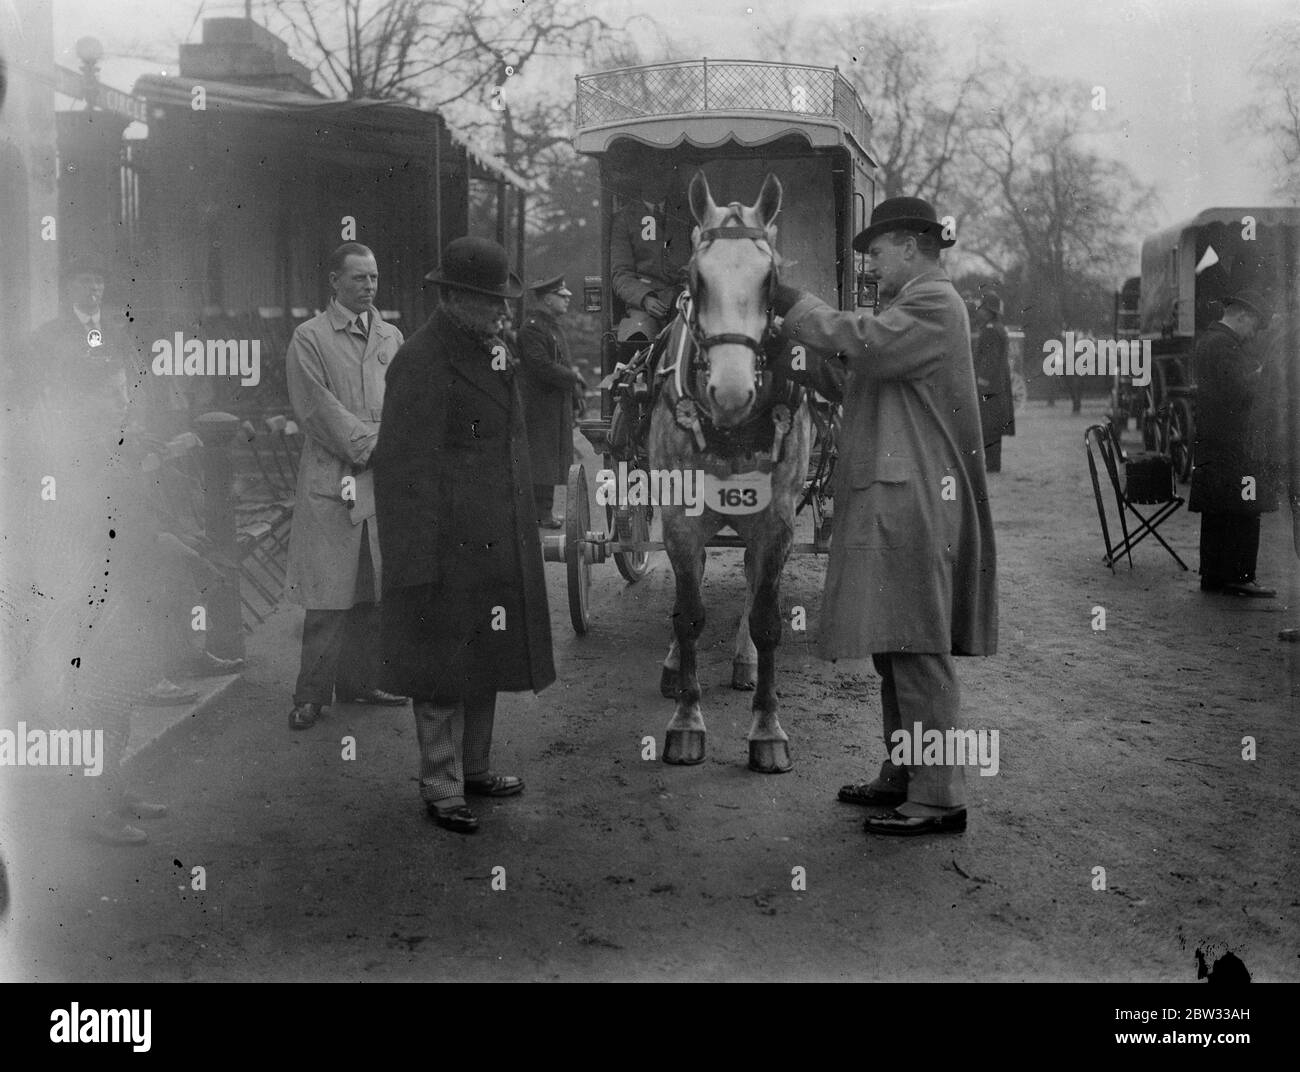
[547, 383]
[336, 386]
[912, 563]
[1227, 382]
[993, 381]
[641, 266]
[454, 500]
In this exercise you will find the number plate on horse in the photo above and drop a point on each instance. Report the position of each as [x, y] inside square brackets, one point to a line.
[743, 493]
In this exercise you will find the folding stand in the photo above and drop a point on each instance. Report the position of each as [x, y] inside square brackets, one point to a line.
[1155, 488]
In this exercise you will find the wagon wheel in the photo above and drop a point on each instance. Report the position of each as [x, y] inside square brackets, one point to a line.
[631, 524]
[577, 520]
[1180, 438]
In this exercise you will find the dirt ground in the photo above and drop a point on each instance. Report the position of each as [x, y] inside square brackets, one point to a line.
[1119, 749]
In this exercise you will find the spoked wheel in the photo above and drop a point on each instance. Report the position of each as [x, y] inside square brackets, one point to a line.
[631, 524]
[1180, 438]
[577, 521]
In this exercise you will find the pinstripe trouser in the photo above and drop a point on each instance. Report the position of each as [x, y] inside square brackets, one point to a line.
[455, 741]
[920, 687]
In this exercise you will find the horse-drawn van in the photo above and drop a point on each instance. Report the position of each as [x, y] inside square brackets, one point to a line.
[697, 161]
[1187, 272]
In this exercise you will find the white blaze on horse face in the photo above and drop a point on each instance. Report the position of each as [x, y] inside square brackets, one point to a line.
[735, 291]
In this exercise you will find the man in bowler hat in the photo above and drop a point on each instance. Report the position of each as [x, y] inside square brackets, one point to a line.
[911, 579]
[464, 609]
[1227, 381]
[550, 386]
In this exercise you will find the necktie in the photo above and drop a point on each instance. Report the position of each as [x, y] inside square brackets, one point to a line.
[362, 326]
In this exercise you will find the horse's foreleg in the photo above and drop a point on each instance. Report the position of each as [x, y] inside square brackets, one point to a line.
[684, 739]
[744, 664]
[668, 675]
[769, 747]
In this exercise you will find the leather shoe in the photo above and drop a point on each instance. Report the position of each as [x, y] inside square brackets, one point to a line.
[911, 826]
[871, 795]
[304, 716]
[459, 819]
[376, 698]
[133, 807]
[111, 831]
[205, 664]
[1292, 634]
[500, 785]
[1250, 588]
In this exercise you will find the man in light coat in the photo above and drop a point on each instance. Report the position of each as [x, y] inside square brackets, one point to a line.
[911, 579]
[336, 364]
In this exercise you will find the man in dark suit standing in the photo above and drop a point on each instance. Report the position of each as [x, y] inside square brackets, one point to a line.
[550, 386]
[993, 380]
[1229, 489]
[465, 614]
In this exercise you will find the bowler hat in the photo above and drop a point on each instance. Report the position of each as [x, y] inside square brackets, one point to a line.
[1251, 299]
[546, 286]
[902, 214]
[477, 264]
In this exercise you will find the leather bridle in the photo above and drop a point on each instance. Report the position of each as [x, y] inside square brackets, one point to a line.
[700, 359]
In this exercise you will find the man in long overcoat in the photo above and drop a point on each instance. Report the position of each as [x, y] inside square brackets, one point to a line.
[1229, 487]
[911, 579]
[464, 610]
[993, 380]
[549, 383]
[335, 366]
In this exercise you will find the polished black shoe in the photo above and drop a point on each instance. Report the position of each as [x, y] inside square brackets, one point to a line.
[871, 795]
[304, 716]
[912, 826]
[458, 819]
[1250, 588]
[376, 698]
[500, 785]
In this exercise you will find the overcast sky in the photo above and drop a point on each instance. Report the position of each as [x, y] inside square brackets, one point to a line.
[1176, 72]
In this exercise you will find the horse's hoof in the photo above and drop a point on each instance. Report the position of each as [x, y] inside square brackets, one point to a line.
[769, 757]
[684, 747]
[744, 676]
[668, 683]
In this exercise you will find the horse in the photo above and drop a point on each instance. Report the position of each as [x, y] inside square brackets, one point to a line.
[722, 415]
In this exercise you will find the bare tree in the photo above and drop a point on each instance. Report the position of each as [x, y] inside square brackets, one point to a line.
[1043, 203]
[1275, 115]
[430, 52]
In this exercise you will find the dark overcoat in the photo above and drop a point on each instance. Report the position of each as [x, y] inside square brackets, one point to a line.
[648, 250]
[546, 381]
[912, 566]
[464, 592]
[993, 381]
[1227, 382]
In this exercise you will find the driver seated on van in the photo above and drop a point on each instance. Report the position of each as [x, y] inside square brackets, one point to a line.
[649, 249]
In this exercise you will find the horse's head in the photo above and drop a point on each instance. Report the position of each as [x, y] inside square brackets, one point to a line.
[733, 276]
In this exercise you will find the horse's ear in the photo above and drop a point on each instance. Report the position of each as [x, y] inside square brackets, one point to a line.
[769, 199]
[701, 197]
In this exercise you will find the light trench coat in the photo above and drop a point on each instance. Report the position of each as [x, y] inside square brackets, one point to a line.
[336, 386]
[912, 566]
